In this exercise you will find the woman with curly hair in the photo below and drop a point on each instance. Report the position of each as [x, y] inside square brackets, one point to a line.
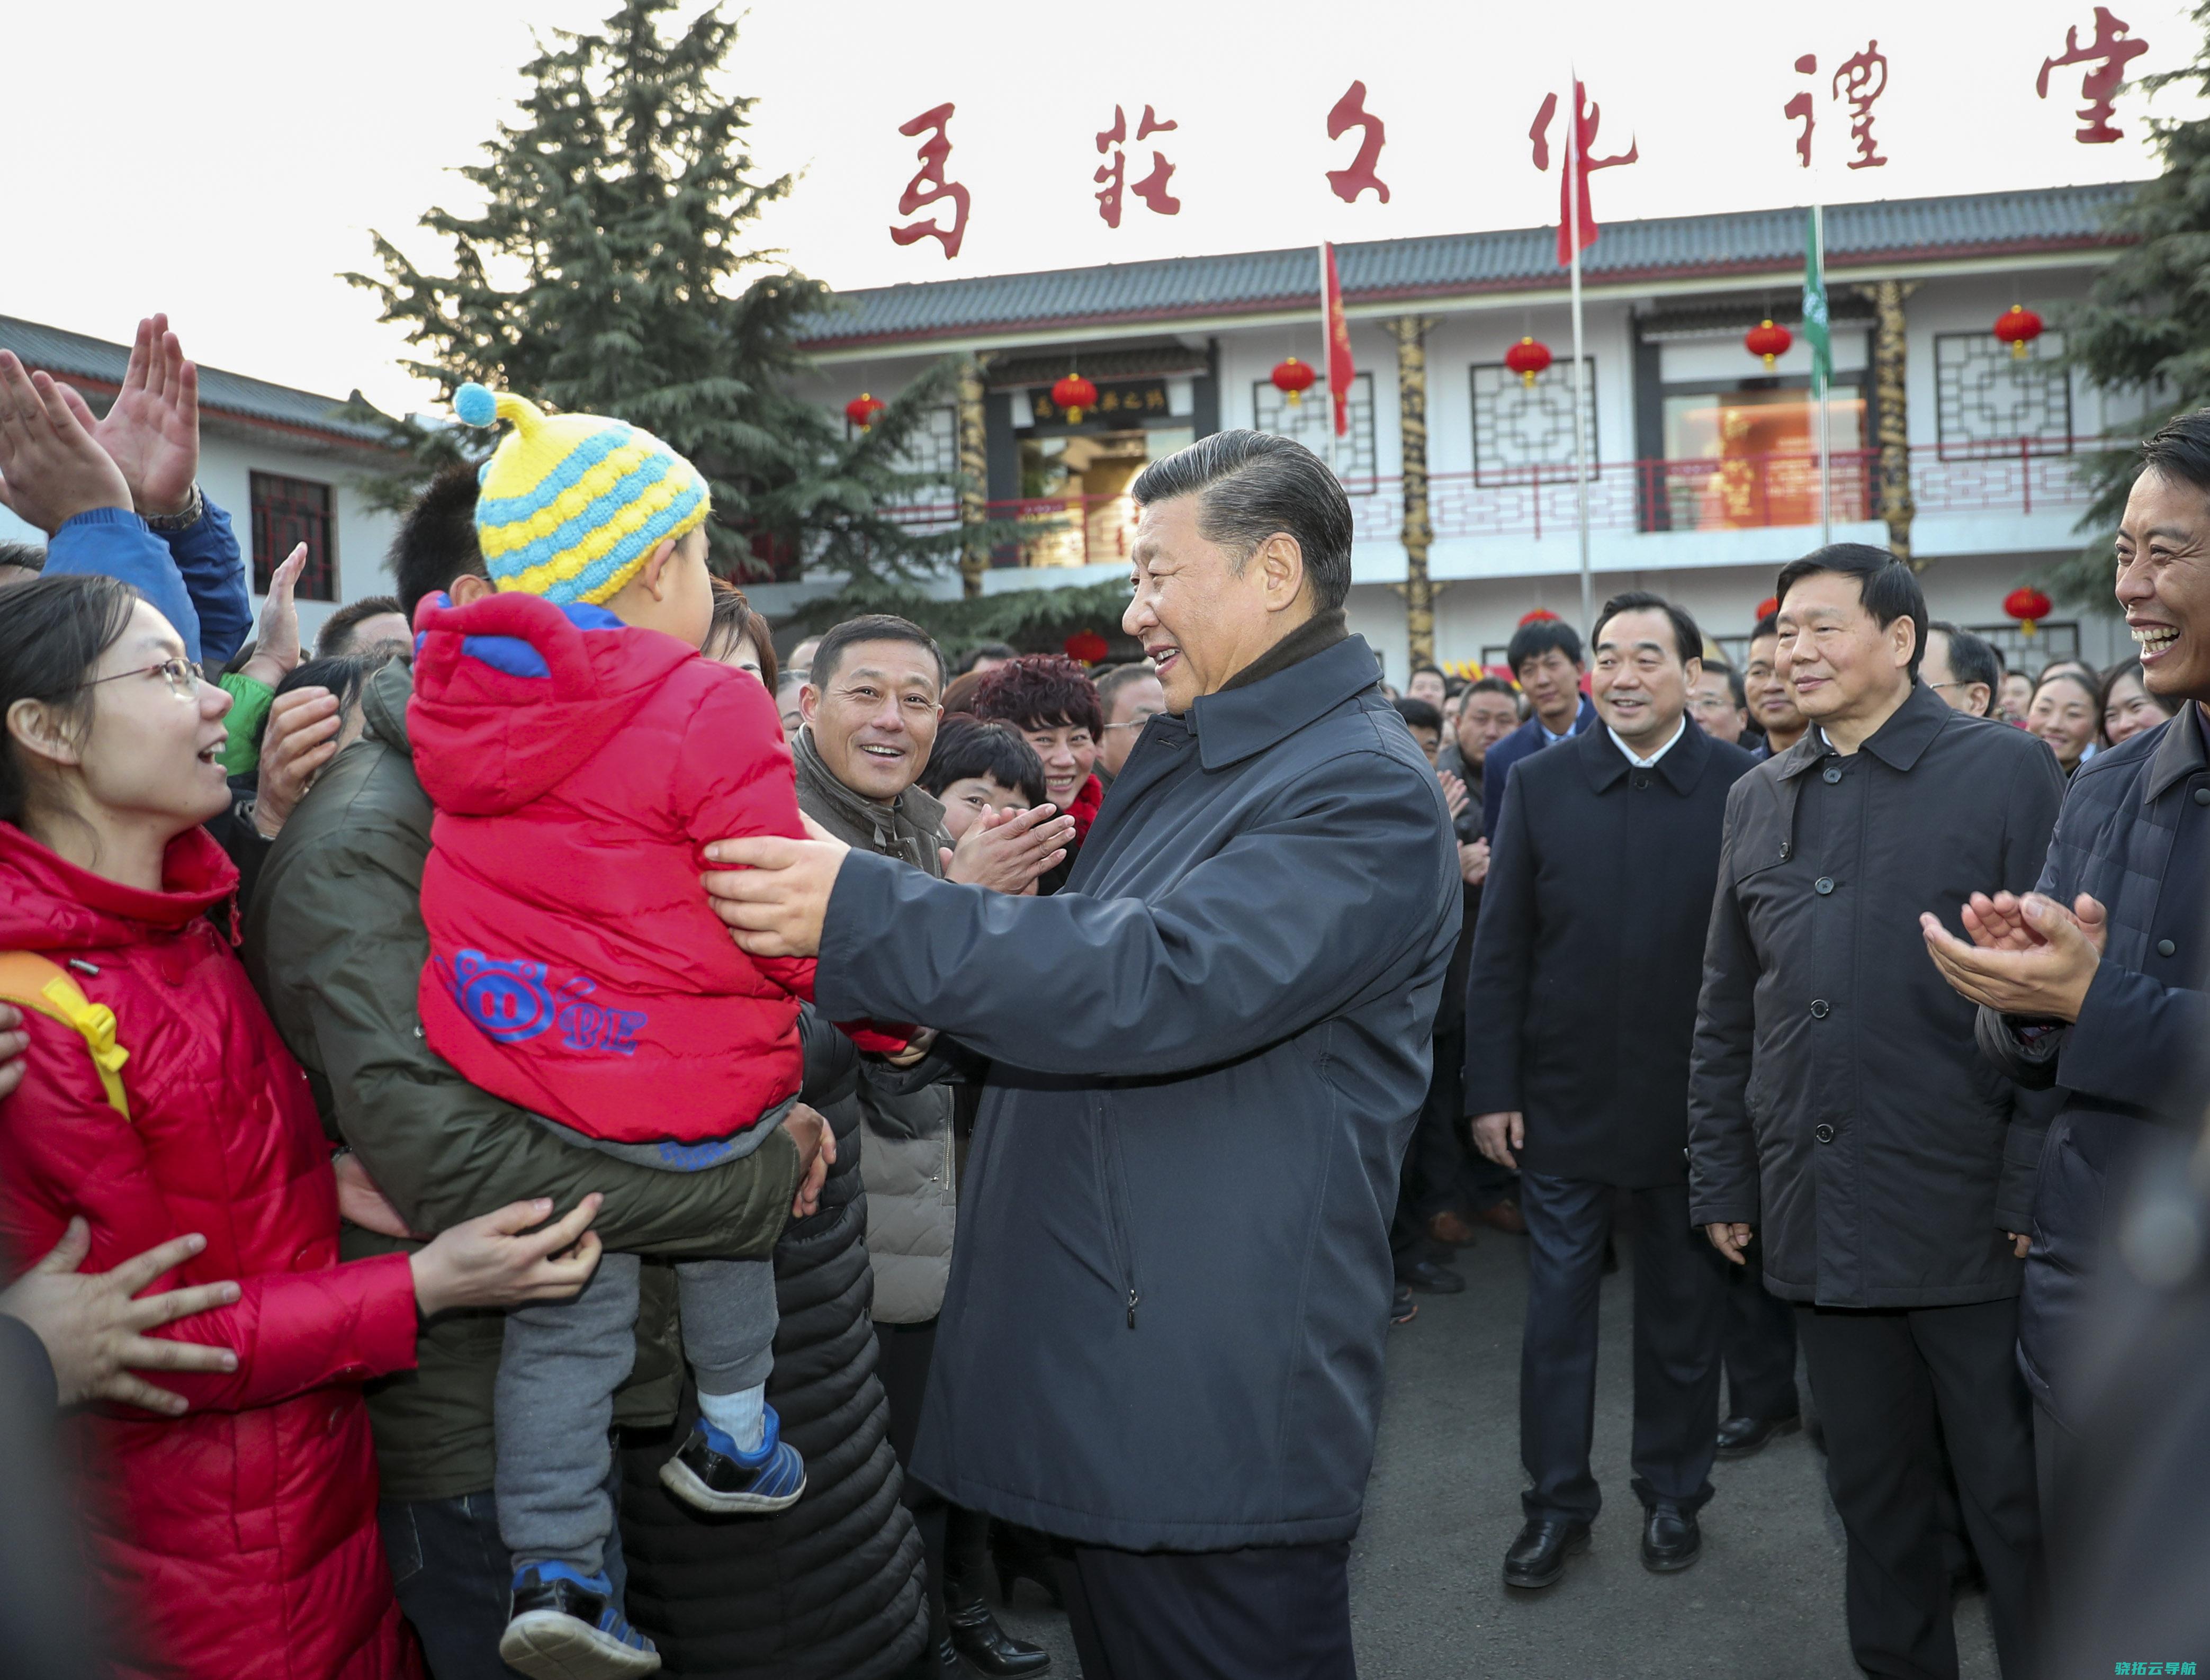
[1051, 700]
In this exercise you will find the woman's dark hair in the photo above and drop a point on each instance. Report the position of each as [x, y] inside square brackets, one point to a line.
[1888, 588]
[966, 746]
[736, 620]
[2086, 685]
[1040, 691]
[345, 674]
[52, 635]
[2169, 705]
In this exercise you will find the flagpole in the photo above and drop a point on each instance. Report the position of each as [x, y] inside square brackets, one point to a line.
[1326, 341]
[1580, 424]
[1825, 493]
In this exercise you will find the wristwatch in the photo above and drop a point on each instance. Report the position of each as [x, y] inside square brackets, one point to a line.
[183, 520]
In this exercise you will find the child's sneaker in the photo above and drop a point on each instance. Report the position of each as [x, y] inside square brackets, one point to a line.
[565, 1625]
[710, 1474]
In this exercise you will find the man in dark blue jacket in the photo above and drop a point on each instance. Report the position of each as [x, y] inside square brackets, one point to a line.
[1578, 1020]
[2098, 982]
[1163, 1336]
[1545, 657]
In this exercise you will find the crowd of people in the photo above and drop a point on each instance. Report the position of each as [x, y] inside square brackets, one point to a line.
[539, 1136]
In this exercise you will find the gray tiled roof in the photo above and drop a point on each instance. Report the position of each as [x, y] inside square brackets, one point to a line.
[74, 355]
[1457, 264]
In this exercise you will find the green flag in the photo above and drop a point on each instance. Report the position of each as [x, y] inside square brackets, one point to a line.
[1815, 307]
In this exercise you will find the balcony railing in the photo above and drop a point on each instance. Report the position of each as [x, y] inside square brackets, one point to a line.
[1737, 492]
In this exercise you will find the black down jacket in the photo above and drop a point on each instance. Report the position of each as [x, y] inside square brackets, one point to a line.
[832, 1589]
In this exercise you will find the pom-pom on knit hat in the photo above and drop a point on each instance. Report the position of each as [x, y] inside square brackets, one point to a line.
[573, 504]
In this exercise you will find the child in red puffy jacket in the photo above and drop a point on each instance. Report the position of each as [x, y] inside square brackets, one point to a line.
[580, 753]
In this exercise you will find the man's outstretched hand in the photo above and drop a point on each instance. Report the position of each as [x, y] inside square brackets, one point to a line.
[1008, 851]
[774, 895]
[2028, 955]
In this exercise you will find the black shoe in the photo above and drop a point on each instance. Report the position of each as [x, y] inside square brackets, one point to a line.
[1671, 1540]
[1740, 1436]
[975, 1634]
[1430, 1276]
[1018, 1552]
[1402, 1308]
[1537, 1557]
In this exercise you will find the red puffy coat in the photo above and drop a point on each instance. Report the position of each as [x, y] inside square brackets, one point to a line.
[238, 1542]
[579, 768]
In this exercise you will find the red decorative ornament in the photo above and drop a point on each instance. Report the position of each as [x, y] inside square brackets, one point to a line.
[1767, 340]
[862, 409]
[1073, 394]
[1293, 379]
[2018, 327]
[1088, 646]
[2028, 606]
[1528, 358]
[1766, 609]
[1537, 616]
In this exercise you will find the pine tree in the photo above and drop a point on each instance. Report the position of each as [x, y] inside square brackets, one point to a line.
[2144, 331]
[608, 273]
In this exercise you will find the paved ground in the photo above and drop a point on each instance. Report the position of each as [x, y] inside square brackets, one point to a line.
[1765, 1603]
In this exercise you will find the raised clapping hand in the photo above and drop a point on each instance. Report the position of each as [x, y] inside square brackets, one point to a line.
[276, 647]
[302, 736]
[2028, 955]
[52, 467]
[151, 431]
[1008, 851]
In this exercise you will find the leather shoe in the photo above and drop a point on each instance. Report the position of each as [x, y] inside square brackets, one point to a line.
[1450, 1229]
[974, 1633]
[1740, 1436]
[1503, 1216]
[1537, 1557]
[1671, 1540]
[1430, 1277]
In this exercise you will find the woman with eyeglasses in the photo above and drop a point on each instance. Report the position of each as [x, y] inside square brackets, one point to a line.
[234, 1522]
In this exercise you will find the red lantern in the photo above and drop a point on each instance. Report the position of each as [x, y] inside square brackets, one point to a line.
[1073, 394]
[2018, 327]
[1537, 616]
[862, 409]
[2027, 606]
[1767, 340]
[1293, 379]
[1766, 609]
[1529, 357]
[1088, 646]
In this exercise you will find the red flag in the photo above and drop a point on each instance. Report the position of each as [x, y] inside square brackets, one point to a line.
[1340, 372]
[1576, 166]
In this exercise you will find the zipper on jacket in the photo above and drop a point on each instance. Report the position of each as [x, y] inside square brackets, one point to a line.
[1112, 1192]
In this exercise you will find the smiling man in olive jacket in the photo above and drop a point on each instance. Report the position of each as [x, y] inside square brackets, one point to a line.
[1163, 1336]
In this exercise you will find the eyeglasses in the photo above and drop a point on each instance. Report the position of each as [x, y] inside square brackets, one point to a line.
[184, 676]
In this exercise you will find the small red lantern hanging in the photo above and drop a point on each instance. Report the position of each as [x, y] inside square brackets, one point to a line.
[2018, 327]
[2028, 606]
[862, 409]
[1073, 394]
[1767, 340]
[1528, 358]
[1293, 379]
[1088, 646]
[1536, 617]
[1766, 609]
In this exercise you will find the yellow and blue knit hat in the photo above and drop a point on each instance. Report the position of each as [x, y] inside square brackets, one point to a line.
[573, 504]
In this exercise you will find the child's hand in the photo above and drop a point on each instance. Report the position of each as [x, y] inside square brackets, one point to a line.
[817, 1153]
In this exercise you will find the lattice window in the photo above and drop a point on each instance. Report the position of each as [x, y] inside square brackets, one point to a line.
[934, 449]
[1309, 422]
[1988, 402]
[288, 512]
[1518, 426]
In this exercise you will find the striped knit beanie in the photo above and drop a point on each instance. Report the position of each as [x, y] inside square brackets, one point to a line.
[574, 504]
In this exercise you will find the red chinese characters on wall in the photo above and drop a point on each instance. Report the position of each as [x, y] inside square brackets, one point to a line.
[929, 187]
[2113, 50]
[1861, 79]
[1152, 189]
[1575, 211]
[1350, 112]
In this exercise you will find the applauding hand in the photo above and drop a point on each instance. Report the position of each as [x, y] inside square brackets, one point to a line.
[153, 430]
[52, 467]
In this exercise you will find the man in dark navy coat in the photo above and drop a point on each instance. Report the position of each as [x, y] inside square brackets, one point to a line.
[1163, 1336]
[1545, 657]
[1580, 1017]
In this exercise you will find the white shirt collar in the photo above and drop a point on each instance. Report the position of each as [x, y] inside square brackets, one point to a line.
[1679, 730]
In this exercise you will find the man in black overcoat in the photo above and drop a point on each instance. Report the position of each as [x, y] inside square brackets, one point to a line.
[1579, 1016]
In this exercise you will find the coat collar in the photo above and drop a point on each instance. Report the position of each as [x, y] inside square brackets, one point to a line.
[1238, 723]
[1897, 743]
[1603, 763]
[2179, 754]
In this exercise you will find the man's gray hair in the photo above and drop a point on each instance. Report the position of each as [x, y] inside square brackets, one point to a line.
[1251, 485]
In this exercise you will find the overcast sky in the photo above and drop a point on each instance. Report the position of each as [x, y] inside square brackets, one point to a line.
[226, 161]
